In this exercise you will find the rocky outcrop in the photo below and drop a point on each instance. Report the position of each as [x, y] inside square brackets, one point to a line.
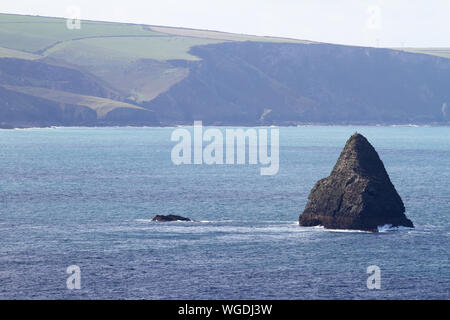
[357, 195]
[170, 217]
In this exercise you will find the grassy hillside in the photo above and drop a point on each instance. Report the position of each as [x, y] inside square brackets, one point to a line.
[45, 36]
[118, 73]
[34, 34]
[225, 36]
[122, 49]
[112, 51]
[60, 95]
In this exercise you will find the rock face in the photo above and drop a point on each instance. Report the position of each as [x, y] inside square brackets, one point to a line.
[357, 195]
[170, 217]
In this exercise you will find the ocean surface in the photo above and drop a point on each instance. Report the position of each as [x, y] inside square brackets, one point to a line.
[86, 197]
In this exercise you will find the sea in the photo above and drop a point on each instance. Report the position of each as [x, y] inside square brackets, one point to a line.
[86, 197]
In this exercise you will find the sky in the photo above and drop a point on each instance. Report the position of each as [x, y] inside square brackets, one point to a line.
[376, 23]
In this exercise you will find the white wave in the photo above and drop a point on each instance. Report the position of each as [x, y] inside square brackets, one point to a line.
[143, 220]
[322, 228]
[406, 125]
[384, 228]
[348, 230]
[29, 129]
[389, 227]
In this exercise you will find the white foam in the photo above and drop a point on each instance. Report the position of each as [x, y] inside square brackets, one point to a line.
[348, 230]
[143, 220]
[322, 228]
[412, 125]
[389, 227]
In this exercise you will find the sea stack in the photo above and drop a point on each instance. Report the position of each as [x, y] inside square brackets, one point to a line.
[357, 195]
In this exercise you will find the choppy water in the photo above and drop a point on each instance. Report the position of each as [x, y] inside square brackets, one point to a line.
[85, 196]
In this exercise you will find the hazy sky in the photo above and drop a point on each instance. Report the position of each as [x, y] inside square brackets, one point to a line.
[385, 23]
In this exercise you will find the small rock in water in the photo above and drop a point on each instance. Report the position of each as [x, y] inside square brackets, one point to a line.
[358, 194]
[170, 217]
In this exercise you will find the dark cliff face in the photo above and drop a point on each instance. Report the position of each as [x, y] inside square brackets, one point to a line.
[19, 109]
[321, 83]
[22, 110]
[34, 73]
[358, 194]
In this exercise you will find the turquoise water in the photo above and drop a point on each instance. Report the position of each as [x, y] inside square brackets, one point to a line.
[86, 196]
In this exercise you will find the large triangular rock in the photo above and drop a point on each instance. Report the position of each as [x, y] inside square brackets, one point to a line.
[357, 195]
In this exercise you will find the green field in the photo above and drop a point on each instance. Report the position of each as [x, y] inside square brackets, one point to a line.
[114, 52]
[98, 42]
[33, 34]
[132, 59]
[46, 36]
[125, 49]
[224, 36]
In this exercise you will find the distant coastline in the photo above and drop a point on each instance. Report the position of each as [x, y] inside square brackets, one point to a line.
[116, 74]
[174, 125]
